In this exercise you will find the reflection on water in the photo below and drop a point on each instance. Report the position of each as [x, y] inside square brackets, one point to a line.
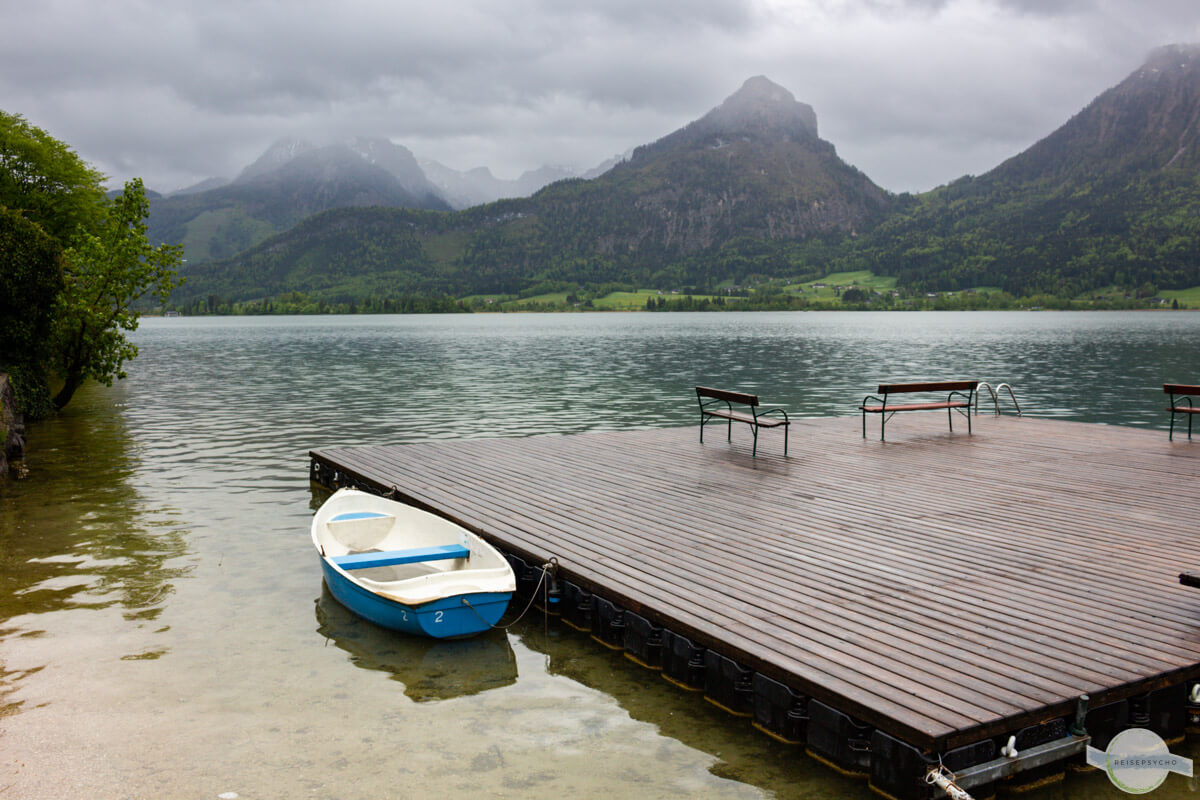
[77, 536]
[430, 669]
[739, 753]
[158, 586]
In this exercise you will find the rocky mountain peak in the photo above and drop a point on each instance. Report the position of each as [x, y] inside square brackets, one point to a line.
[1173, 58]
[765, 107]
[275, 156]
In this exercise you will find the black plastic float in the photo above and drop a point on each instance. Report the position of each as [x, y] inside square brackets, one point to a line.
[1167, 708]
[839, 740]
[608, 624]
[576, 606]
[779, 710]
[728, 685]
[643, 641]
[683, 662]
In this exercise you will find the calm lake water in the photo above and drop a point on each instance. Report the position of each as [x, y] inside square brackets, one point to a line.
[164, 632]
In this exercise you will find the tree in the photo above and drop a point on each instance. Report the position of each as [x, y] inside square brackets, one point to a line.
[46, 182]
[31, 277]
[855, 295]
[108, 272]
[48, 198]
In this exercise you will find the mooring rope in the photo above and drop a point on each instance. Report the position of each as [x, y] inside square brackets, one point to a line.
[548, 568]
[943, 779]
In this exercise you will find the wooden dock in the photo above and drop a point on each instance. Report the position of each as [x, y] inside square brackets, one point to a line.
[940, 587]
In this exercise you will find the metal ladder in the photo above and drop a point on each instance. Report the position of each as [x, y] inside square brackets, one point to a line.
[995, 393]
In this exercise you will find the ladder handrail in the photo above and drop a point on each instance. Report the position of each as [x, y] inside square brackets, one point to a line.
[995, 393]
[991, 391]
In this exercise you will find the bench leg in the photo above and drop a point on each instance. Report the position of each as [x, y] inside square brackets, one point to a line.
[1171, 433]
[785, 435]
[754, 449]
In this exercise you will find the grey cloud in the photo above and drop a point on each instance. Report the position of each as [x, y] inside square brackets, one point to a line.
[914, 92]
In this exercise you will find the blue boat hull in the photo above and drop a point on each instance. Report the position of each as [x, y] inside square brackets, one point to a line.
[447, 618]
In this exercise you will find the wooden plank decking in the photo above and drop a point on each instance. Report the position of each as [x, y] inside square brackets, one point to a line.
[941, 587]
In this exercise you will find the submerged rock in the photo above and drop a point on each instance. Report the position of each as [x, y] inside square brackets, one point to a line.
[12, 429]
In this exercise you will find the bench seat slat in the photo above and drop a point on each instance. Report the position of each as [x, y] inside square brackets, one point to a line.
[916, 406]
[413, 555]
[762, 422]
[1184, 409]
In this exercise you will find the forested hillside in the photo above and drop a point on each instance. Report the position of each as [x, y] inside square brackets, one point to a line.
[1110, 198]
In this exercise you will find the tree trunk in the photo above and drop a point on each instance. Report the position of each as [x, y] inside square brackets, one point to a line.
[73, 382]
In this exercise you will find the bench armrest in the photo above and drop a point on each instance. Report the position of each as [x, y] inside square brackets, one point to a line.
[770, 411]
[882, 402]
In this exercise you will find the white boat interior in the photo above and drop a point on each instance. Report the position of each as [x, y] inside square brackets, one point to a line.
[404, 553]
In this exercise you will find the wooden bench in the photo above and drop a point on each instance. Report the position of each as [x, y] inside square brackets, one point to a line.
[955, 389]
[1186, 393]
[718, 404]
[413, 555]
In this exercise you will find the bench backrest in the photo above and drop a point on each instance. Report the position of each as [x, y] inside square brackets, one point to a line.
[1179, 388]
[940, 386]
[728, 397]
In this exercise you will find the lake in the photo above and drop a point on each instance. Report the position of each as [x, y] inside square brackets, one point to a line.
[163, 626]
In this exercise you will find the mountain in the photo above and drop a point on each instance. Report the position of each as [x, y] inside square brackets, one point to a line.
[479, 186]
[750, 191]
[400, 163]
[202, 186]
[279, 153]
[753, 168]
[292, 180]
[1110, 198]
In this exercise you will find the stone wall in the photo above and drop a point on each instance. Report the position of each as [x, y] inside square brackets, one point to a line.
[12, 429]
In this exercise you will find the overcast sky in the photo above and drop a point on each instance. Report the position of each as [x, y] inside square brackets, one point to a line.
[914, 93]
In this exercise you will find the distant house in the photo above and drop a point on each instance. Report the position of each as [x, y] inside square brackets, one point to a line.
[818, 286]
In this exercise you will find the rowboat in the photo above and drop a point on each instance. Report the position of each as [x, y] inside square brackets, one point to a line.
[408, 570]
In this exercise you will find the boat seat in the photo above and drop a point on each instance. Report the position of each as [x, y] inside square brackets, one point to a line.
[386, 558]
[360, 530]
